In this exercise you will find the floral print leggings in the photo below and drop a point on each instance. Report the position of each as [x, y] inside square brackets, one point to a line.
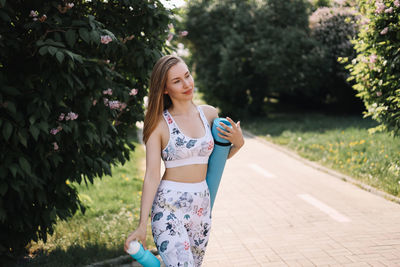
[181, 222]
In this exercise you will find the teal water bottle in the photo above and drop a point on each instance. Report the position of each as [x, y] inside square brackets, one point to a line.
[144, 257]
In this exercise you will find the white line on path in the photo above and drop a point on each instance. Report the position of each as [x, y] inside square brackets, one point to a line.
[324, 208]
[261, 170]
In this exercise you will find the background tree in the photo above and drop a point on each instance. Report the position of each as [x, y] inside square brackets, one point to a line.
[334, 28]
[247, 51]
[72, 80]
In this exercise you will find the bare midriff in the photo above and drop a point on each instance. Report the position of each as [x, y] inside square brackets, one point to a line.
[194, 173]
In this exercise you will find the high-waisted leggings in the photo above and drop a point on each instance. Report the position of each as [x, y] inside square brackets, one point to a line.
[181, 222]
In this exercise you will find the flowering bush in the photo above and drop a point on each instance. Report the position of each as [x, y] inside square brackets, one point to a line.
[72, 79]
[334, 27]
[376, 69]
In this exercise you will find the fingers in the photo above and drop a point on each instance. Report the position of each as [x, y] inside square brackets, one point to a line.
[232, 122]
[130, 238]
[226, 131]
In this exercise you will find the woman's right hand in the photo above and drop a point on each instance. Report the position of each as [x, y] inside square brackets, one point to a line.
[139, 234]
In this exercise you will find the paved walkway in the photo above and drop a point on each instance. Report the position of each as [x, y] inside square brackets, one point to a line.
[274, 210]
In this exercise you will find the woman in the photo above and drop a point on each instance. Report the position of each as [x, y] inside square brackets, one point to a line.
[178, 132]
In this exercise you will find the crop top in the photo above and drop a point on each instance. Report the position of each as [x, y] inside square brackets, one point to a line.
[183, 150]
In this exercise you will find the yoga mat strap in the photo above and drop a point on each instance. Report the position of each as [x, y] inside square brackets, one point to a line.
[221, 144]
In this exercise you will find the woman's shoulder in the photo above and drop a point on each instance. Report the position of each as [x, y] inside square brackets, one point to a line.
[210, 111]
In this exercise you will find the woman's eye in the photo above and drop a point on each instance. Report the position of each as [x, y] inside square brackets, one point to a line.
[177, 81]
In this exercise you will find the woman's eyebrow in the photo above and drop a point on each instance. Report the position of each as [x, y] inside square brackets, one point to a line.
[178, 77]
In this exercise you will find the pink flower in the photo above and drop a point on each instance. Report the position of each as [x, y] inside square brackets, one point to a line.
[33, 14]
[114, 104]
[379, 93]
[384, 31]
[397, 3]
[71, 116]
[170, 36]
[133, 92]
[123, 106]
[105, 39]
[210, 145]
[372, 58]
[389, 10]
[169, 119]
[183, 33]
[379, 7]
[55, 146]
[108, 91]
[105, 101]
[54, 131]
[94, 102]
[186, 245]
[61, 117]
[70, 5]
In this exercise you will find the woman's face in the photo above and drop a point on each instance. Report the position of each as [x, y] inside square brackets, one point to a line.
[180, 84]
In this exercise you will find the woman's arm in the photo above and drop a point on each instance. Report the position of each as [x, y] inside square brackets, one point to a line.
[150, 186]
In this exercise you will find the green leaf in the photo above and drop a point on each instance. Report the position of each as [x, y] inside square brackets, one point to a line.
[40, 43]
[4, 16]
[7, 130]
[24, 165]
[34, 131]
[52, 50]
[3, 188]
[43, 50]
[11, 107]
[70, 35]
[84, 33]
[60, 56]
[10, 90]
[51, 42]
[95, 36]
[13, 169]
[44, 126]
[22, 139]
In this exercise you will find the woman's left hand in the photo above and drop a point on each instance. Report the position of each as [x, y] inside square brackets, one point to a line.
[233, 135]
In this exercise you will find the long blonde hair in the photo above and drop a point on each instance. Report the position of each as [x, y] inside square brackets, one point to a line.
[158, 101]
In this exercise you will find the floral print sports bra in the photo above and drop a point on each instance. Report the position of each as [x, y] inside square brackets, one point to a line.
[183, 150]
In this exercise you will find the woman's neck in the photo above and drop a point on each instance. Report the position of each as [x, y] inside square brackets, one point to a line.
[182, 108]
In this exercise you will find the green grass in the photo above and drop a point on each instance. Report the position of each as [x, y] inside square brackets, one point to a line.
[113, 212]
[338, 142]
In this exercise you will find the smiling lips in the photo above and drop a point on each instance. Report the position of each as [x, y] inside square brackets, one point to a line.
[188, 92]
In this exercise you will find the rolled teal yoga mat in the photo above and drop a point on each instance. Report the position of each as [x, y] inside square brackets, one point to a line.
[217, 160]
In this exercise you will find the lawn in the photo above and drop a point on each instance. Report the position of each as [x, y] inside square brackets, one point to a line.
[113, 206]
[340, 142]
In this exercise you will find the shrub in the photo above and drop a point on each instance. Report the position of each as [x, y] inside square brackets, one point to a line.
[376, 69]
[72, 79]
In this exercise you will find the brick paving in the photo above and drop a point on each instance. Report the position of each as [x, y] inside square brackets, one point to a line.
[261, 217]
[263, 221]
